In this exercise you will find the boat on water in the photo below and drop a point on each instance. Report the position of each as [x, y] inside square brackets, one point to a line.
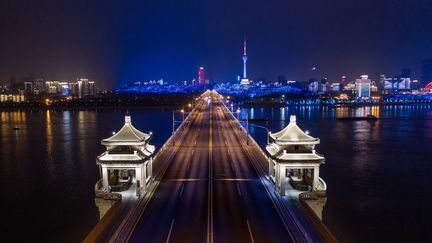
[358, 118]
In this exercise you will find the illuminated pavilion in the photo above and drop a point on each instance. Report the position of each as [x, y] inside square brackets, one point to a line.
[293, 160]
[128, 159]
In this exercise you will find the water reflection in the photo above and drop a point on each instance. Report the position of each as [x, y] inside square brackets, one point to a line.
[49, 145]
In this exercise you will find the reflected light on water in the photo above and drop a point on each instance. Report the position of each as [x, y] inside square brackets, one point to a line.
[49, 139]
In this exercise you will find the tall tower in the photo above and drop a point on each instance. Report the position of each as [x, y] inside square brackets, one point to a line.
[244, 59]
[245, 80]
[201, 79]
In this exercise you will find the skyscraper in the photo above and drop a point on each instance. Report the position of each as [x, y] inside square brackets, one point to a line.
[201, 79]
[244, 59]
[245, 80]
[363, 86]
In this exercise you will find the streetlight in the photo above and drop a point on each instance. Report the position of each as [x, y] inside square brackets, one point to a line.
[182, 111]
[173, 122]
[247, 130]
[268, 132]
[238, 112]
[232, 105]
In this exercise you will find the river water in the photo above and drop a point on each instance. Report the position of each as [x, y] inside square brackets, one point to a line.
[378, 173]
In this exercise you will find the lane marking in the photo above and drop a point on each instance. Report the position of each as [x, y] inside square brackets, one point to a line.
[188, 166]
[238, 189]
[187, 179]
[210, 184]
[249, 155]
[170, 230]
[236, 179]
[181, 190]
[250, 231]
[214, 179]
[232, 168]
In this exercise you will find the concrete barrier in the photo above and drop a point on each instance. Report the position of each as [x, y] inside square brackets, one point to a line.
[101, 226]
[315, 220]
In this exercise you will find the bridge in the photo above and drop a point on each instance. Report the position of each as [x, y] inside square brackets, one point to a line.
[211, 185]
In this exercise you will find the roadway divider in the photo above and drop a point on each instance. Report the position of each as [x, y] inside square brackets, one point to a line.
[165, 155]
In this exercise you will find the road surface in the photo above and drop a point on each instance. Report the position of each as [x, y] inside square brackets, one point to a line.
[210, 191]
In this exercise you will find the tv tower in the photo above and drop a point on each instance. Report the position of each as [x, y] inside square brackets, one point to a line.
[245, 80]
[244, 59]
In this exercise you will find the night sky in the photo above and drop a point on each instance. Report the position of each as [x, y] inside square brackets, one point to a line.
[114, 41]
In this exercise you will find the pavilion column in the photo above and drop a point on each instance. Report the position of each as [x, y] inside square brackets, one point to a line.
[270, 164]
[138, 175]
[144, 174]
[282, 172]
[315, 178]
[105, 177]
[150, 172]
[277, 177]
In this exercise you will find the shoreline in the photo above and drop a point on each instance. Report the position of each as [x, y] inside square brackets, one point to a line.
[39, 107]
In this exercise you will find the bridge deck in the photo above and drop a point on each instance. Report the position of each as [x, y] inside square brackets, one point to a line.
[211, 191]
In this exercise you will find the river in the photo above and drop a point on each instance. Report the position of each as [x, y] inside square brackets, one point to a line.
[377, 173]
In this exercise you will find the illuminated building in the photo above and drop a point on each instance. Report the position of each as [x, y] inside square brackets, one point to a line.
[84, 88]
[128, 159]
[40, 87]
[395, 84]
[335, 87]
[244, 80]
[28, 88]
[52, 87]
[363, 86]
[313, 85]
[201, 80]
[17, 98]
[293, 159]
[64, 88]
[89, 89]
[344, 80]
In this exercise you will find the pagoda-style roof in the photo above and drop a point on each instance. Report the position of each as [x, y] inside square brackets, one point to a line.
[282, 156]
[128, 135]
[292, 134]
[137, 157]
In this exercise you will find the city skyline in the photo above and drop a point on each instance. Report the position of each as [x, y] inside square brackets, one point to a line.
[118, 42]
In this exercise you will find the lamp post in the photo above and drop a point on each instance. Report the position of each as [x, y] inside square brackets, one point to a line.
[173, 122]
[268, 132]
[247, 130]
[182, 111]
